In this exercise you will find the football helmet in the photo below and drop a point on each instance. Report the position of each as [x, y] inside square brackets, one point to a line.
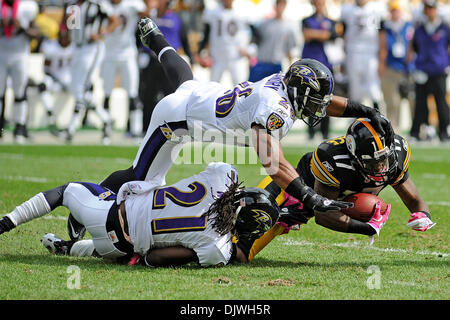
[370, 154]
[256, 212]
[310, 87]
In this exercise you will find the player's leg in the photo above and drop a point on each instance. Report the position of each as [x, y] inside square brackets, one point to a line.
[177, 70]
[46, 90]
[217, 69]
[19, 82]
[420, 109]
[79, 71]
[130, 81]
[108, 73]
[160, 146]
[374, 84]
[439, 90]
[95, 208]
[37, 206]
[3, 78]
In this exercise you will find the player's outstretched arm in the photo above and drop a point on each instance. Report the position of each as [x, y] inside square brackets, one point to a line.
[345, 108]
[420, 213]
[336, 220]
[283, 173]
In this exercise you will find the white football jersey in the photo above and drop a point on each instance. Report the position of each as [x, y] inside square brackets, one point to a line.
[19, 43]
[121, 42]
[362, 25]
[59, 59]
[212, 107]
[173, 215]
[227, 33]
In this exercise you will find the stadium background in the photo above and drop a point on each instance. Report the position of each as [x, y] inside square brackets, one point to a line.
[251, 10]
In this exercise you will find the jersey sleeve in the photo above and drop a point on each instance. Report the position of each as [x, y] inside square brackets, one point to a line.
[275, 117]
[323, 167]
[404, 158]
[216, 253]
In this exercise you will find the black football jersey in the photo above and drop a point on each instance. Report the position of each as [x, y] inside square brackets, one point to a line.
[330, 164]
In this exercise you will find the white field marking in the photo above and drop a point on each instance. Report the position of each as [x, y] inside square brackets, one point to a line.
[361, 245]
[14, 156]
[21, 178]
[434, 176]
[440, 203]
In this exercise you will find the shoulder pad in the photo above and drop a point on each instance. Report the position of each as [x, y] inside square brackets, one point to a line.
[323, 166]
[404, 157]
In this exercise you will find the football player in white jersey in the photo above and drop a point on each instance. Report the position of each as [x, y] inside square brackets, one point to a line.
[193, 220]
[57, 75]
[266, 109]
[362, 22]
[225, 32]
[121, 57]
[16, 29]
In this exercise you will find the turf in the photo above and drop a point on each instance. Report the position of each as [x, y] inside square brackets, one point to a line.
[310, 264]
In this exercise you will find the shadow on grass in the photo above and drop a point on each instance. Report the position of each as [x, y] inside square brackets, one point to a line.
[94, 264]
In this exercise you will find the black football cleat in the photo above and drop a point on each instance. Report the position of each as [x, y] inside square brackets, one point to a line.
[147, 31]
[75, 229]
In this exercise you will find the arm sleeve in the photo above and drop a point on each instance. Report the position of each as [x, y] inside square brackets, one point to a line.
[205, 40]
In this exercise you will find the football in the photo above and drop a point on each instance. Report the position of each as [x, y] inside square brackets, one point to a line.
[364, 206]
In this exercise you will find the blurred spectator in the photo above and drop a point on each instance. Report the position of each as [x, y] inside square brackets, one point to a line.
[225, 33]
[190, 12]
[121, 57]
[16, 28]
[361, 25]
[431, 45]
[274, 39]
[395, 37]
[154, 84]
[317, 30]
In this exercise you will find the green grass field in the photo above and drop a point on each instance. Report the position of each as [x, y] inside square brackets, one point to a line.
[310, 264]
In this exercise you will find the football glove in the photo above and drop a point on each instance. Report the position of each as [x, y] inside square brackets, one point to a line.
[312, 200]
[420, 221]
[292, 216]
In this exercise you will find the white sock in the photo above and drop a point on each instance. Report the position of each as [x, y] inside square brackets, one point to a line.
[21, 112]
[136, 121]
[82, 248]
[34, 208]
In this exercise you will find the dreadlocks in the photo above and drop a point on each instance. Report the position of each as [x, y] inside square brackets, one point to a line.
[225, 209]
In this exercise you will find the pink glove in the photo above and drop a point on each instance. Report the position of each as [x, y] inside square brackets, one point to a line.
[378, 220]
[419, 221]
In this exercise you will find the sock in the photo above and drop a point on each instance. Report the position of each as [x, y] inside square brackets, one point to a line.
[34, 208]
[21, 111]
[83, 248]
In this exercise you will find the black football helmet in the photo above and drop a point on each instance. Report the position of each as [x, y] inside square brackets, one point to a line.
[256, 212]
[310, 86]
[370, 154]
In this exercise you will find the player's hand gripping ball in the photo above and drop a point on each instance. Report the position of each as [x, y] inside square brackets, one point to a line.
[364, 206]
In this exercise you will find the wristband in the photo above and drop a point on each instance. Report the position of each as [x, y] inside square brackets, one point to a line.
[299, 190]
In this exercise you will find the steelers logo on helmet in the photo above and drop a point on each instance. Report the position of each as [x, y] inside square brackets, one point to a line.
[309, 85]
[350, 143]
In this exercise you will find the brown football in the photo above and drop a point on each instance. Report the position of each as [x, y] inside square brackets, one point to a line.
[364, 206]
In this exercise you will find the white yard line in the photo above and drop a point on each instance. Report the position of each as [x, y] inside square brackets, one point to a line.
[365, 246]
